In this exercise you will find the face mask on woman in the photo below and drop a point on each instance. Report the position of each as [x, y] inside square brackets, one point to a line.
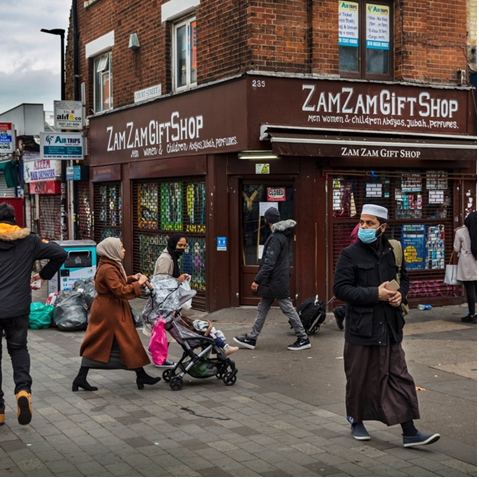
[367, 235]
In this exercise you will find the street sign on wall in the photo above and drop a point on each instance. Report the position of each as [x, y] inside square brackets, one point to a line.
[61, 146]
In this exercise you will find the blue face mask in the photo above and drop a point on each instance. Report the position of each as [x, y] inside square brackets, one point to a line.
[368, 235]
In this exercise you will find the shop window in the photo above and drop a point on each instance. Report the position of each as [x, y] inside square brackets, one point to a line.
[162, 208]
[365, 33]
[84, 219]
[107, 219]
[102, 82]
[420, 217]
[184, 54]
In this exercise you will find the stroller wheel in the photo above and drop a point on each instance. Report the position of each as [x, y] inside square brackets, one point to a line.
[230, 379]
[176, 384]
[167, 375]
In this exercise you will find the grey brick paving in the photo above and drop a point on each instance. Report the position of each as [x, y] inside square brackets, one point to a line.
[256, 428]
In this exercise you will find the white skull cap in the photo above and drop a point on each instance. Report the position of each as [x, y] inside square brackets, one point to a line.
[375, 210]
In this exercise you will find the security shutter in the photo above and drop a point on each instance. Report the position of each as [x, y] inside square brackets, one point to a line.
[84, 218]
[49, 217]
[162, 208]
[107, 212]
[4, 189]
[420, 217]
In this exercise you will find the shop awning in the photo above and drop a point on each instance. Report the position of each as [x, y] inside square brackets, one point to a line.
[342, 146]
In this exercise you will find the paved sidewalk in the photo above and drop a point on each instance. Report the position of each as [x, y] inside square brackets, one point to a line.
[283, 417]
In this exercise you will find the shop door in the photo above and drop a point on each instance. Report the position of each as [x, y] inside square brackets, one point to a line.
[256, 198]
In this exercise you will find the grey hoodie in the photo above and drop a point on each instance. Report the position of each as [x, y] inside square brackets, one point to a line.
[18, 252]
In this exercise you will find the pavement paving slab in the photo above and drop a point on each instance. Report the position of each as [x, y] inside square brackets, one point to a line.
[284, 416]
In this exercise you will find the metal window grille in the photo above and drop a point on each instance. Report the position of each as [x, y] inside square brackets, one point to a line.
[84, 219]
[420, 217]
[161, 208]
[49, 218]
[107, 212]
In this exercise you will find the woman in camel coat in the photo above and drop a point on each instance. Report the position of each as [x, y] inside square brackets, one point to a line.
[111, 340]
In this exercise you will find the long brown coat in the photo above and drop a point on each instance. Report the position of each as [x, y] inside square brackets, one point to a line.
[111, 317]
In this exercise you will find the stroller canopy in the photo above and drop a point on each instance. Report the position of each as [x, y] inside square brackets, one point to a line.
[167, 296]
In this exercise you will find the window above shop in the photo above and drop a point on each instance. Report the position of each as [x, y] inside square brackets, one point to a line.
[184, 54]
[365, 36]
[102, 82]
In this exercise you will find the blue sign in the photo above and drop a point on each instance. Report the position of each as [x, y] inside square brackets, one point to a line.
[221, 243]
[73, 173]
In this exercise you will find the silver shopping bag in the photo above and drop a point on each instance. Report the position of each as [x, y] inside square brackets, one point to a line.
[451, 275]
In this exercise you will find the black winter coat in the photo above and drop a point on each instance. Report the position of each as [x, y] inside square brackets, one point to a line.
[273, 274]
[18, 252]
[358, 273]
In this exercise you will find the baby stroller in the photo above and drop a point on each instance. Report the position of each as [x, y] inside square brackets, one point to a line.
[201, 358]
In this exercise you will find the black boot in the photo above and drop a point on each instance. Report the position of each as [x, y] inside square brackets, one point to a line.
[143, 378]
[81, 382]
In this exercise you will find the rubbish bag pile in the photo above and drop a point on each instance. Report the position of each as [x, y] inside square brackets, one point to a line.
[69, 310]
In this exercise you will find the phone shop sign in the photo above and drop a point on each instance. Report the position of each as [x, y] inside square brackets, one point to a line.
[61, 146]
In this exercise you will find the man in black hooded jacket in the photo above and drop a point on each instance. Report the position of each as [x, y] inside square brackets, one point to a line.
[19, 249]
[272, 282]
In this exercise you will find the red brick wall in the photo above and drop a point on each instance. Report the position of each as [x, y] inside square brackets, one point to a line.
[287, 36]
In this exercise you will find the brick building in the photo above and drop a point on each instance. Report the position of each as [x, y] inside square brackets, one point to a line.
[202, 113]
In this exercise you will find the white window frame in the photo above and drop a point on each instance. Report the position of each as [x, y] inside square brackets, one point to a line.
[102, 72]
[188, 81]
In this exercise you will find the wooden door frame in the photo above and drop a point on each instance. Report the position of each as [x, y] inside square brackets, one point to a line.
[235, 184]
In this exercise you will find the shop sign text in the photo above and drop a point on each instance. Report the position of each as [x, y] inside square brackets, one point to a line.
[379, 153]
[159, 138]
[350, 109]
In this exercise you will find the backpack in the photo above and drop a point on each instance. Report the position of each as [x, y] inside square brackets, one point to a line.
[312, 314]
[399, 255]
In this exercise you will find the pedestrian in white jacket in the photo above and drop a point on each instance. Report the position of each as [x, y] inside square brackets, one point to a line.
[465, 245]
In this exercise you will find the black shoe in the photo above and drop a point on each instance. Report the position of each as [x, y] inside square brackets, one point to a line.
[245, 341]
[83, 384]
[300, 344]
[143, 378]
[469, 319]
[339, 316]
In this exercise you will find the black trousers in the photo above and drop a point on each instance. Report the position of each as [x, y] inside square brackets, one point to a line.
[16, 330]
[471, 293]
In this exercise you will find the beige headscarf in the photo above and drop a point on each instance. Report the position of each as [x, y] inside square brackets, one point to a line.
[111, 248]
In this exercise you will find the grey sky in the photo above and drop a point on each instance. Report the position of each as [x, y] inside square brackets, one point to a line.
[30, 66]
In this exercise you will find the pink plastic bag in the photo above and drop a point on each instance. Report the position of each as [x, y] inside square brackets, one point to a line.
[159, 343]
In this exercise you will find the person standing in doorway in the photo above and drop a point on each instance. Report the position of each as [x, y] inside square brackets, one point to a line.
[272, 282]
[111, 340]
[378, 384]
[465, 245]
[19, 249]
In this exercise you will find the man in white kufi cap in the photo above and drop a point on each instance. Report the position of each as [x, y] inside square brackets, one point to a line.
[378, 385]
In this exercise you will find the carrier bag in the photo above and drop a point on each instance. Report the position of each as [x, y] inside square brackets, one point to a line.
[70, 312]
[312, 314]
[159, 343]
[40, 316]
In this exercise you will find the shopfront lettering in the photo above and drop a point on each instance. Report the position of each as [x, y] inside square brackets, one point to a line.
[176, 130]
[379, 153]
[384, 103]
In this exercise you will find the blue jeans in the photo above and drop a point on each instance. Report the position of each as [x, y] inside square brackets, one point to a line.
[16, 330]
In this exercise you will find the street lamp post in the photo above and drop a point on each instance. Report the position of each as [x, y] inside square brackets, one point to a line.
[61, 33]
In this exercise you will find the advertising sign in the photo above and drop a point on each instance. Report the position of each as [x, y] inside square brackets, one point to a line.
[348, 24]
[73, 173]
[41, 170]
[377, 27]
[61, 146]
[68, 115]
[7, 138]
